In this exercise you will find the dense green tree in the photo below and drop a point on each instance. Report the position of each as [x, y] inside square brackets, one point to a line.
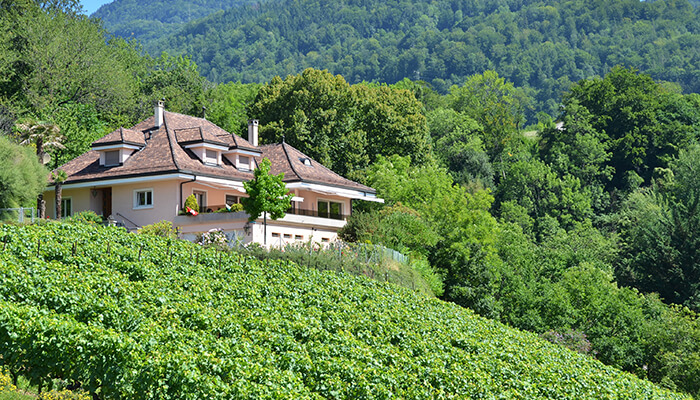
[313, 111]
[575, 148]
[660, 227]
[398, 227]
[267, 194]
[177, 80]
[22, 177]
[226, 104]
[540, 200]
[342, 127]
[641, 123]
[458, 147]
[57, 57]
[497, 105]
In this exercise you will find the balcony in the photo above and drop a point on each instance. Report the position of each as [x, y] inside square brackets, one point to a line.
[312, 213]
[294, 211]
[213, 215]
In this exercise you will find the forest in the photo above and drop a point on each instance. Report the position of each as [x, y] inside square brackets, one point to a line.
[582, 227]
[541, 46]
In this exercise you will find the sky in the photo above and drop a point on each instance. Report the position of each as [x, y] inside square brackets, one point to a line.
[91, 6]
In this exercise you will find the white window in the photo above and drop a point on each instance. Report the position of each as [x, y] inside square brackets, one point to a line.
[298, 237]
[244, 163]
[330, 209]
[112, 157]
[211, 157]
[201, 197]
[66, 207]
[143, 198]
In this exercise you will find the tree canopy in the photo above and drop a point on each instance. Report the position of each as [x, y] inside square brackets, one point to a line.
[22, 177]
[266, 194]
[344, 127]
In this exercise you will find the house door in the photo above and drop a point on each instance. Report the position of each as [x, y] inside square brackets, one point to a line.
[106, 202]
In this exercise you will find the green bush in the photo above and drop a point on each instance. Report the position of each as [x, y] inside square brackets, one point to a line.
[191, 202]
[163, 229]
[85, 217]
[236, 207]
[432, 277]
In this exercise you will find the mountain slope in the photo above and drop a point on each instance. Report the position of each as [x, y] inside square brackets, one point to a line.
[541, 45]
[149, 20]
[133, 316]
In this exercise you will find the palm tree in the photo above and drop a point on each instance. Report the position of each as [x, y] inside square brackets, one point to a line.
[59, 176]
[44, 135]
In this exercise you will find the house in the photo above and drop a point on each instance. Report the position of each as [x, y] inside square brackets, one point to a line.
[142, 175]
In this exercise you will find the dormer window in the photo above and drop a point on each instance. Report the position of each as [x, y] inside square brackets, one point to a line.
[118, 146]
[244, 163]
[111, 158]
[243, 160]
[306, 161]
[211, 157]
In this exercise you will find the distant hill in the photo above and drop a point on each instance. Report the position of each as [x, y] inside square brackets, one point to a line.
[141, 317]
[148, 21]
[542, 46]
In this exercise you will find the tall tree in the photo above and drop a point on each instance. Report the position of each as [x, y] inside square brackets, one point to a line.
[642, 124]
[267, 194]
[344, 127]
[660, 228]
[496, 104]
[22, 178]
[43, 135]
[59, 176]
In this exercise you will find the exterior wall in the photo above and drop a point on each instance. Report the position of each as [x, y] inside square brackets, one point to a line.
[216, 198]
[311, 200]
[165, 202]
[80, 198]
[297, 228]
[166, 205]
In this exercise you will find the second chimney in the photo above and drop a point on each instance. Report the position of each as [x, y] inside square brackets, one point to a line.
[159, 110]
[253, 132]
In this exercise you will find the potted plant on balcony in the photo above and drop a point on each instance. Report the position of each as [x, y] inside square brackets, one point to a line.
[191, 205]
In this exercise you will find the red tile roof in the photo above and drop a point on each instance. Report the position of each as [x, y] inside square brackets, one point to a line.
[287, 159]
[121, 135]
[163, 152]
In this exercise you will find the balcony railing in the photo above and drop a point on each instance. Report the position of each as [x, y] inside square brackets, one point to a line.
[312, 213]
[294, 211]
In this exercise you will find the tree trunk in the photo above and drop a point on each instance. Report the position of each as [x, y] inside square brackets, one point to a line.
[41, 206]
[59, 197]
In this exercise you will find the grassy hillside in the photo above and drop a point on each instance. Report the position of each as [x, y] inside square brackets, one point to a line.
[143, 317]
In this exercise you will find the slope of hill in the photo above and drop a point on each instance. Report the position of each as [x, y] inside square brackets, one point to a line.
[541, 45]
[133, 316]
[149, 20]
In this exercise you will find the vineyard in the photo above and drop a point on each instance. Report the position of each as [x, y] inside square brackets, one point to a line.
[140, 317]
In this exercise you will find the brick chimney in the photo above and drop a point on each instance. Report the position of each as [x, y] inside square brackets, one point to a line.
[253, 132]
[159, 110]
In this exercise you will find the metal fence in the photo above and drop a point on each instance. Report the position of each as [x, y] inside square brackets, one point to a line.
[21, 214]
